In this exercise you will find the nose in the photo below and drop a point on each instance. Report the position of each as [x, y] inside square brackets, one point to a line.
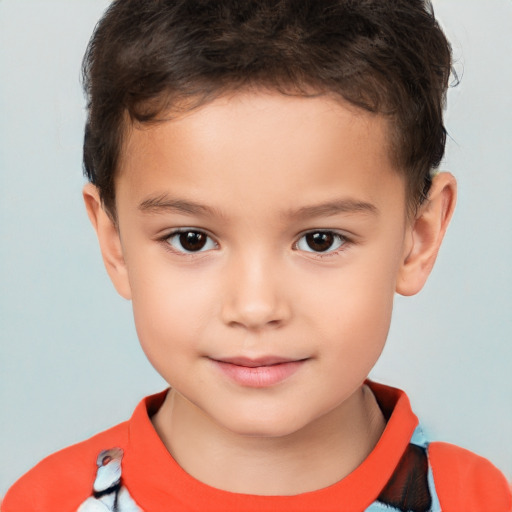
[254, 294]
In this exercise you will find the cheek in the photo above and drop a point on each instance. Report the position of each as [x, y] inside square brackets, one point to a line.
[356, 331]
[356, 303]
[174, 308]
[359, 322]
[170, 306]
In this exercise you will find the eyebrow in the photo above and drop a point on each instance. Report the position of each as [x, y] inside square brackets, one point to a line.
[165, 204]
[335, 207]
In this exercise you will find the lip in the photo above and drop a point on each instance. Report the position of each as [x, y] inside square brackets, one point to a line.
[260, 372]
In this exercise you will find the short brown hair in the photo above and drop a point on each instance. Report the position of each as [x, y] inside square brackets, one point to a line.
[147, 57]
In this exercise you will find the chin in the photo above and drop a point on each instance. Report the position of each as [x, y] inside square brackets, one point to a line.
[260, 425]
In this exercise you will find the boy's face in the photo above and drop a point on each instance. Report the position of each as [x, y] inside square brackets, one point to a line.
[262, 229]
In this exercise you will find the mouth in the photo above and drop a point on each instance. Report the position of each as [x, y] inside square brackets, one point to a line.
[260, 372]
[258, 362]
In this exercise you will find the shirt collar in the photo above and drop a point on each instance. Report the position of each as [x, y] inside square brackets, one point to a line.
[156, 481]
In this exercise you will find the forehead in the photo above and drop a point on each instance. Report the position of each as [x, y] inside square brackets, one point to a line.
[244, 145]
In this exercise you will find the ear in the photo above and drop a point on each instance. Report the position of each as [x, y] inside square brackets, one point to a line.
[426, 234]
[109, 240]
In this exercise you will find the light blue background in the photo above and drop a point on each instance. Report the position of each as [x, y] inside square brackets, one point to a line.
[70, 364]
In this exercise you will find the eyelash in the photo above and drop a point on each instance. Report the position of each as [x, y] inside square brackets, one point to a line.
[166, 240]
[342, 239]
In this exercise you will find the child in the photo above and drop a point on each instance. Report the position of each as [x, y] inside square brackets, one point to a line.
[261, 187]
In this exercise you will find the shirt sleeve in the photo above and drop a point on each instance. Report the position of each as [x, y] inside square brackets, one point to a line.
[468, 482]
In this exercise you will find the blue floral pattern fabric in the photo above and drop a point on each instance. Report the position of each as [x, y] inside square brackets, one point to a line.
[411, 487]
[108, 493]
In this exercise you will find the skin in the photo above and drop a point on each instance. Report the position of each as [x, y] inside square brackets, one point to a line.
[255, 172]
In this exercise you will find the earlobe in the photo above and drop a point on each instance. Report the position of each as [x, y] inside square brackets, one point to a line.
[109, 240]
[426, 234]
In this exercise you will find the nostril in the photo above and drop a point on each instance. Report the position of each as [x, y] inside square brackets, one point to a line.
[252, 298]
[255, 319]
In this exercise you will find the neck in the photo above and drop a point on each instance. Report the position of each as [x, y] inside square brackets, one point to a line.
[319, 455]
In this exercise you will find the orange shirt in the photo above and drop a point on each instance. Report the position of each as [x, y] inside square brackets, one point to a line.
[459, 481]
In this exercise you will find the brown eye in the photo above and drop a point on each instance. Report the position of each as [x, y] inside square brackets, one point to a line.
[190, 241]
[320, 241]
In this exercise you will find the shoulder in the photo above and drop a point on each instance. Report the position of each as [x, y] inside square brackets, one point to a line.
[64, 479]
[465, 481]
